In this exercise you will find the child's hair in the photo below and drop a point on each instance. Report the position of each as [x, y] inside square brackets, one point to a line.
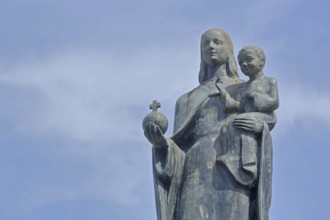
[259, 52]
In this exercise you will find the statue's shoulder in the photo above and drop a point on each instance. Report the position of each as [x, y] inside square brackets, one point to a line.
[270, 80]
[184, 98]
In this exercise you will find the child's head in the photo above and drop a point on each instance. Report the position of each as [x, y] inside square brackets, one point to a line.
[251, 60]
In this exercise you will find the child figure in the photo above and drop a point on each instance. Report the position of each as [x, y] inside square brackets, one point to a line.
[258, 94]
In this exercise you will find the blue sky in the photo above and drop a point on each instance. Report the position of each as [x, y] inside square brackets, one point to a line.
[76, 79]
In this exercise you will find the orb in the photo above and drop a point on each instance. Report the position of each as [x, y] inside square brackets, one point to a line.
[158, 118]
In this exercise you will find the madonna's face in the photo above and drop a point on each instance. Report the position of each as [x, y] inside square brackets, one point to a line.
[214, 48]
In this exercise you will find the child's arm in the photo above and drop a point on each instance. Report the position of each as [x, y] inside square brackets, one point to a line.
[266, 102]
[230, 103]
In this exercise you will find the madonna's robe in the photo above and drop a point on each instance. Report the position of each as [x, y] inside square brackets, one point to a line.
[189, 182]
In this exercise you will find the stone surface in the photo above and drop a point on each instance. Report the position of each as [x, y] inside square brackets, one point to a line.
[218, 162]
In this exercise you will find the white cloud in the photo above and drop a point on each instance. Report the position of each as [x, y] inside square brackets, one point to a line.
[92, 95]
[97, 101]
[300, 103]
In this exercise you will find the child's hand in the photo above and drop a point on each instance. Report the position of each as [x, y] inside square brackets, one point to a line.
[220, 87]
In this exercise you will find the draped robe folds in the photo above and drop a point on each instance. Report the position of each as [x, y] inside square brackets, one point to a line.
[189, 183]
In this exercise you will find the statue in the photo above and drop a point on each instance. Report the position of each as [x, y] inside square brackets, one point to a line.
[218, 162]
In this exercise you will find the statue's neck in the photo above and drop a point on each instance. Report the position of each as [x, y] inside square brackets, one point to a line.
[215, 72]
[257, 76]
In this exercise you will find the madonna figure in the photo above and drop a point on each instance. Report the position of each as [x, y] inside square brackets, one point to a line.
[191, 182]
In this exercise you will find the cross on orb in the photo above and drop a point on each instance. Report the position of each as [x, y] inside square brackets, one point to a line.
[154, 106]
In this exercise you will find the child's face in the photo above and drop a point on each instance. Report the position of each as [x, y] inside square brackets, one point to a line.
[250, 63]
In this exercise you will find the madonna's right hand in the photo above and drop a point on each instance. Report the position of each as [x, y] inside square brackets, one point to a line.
[154, 135]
